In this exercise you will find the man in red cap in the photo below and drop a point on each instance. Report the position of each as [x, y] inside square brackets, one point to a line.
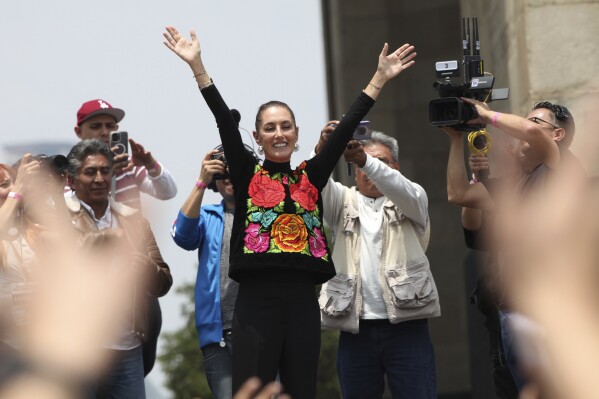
[134, 173]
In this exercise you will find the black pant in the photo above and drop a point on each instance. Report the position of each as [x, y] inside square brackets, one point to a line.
[276, 327]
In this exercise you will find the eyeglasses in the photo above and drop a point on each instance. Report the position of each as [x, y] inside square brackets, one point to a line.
[539, 120]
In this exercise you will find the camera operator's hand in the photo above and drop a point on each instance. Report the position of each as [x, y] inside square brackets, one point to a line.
[355, 153]
[325, 134]
[478, 164]
[211, 167]
[482, 109]
[141, 157]
[27, 174]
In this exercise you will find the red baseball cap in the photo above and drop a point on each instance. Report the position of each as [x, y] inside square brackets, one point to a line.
[98, 107]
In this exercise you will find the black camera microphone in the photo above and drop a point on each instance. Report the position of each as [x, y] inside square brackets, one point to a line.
[475, 83]
[236, 116]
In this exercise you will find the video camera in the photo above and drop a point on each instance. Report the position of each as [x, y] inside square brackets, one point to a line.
[56, 164]
[450, 110]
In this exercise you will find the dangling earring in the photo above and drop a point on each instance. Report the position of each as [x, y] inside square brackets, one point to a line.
[296, 147]
[260, 150]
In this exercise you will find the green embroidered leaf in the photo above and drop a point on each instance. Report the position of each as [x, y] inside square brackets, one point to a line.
[253, 209]
[247, 251]
[306, 250]
[279, 208]
[249, 203]
[316, 212]
[273, 248]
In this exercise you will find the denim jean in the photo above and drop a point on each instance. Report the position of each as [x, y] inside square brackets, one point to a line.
[218, 367]
[403, 352]
[125, 376]
[509, 349]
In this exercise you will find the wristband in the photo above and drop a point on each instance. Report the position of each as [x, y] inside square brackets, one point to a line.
[15, 195]
[494, 119]
[201, 184]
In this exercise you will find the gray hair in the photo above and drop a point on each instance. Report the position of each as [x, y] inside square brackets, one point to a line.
[82, 150]
[387, 141]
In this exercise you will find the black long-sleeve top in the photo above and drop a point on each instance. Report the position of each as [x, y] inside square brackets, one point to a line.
[278, 224]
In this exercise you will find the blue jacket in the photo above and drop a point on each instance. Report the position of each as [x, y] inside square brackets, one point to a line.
[205, 234]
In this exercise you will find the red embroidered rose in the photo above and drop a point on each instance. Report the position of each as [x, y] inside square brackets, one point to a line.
[304, 193]
[265, 191]
[289, 233]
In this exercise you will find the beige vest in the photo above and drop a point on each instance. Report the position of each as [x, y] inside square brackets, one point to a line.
[409, 290]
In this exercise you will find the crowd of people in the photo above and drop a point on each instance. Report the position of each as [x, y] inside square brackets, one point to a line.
[81, 272]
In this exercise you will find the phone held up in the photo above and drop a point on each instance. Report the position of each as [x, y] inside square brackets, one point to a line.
[120, 140]
[362, 132]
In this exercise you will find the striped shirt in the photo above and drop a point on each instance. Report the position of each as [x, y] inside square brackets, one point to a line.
[129, 185]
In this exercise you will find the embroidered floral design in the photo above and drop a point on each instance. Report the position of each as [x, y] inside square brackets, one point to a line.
[304, 193]
[269, 228]
[289, 233]
[265, 218]
[264, 191]
[318, 247]
[310, 220]
[254, 240]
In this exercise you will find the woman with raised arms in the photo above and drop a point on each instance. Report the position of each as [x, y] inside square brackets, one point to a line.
[278, 248]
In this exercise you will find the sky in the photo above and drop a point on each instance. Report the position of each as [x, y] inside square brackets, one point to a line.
[57, 55]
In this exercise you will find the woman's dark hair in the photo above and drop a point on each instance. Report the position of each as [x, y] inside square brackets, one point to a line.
[82, 150]
[269, 104]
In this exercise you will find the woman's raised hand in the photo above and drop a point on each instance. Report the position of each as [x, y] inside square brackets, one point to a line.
[391, 65]
[187, 49]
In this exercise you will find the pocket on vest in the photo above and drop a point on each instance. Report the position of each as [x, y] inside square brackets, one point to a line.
[411, 289]
[336, 295]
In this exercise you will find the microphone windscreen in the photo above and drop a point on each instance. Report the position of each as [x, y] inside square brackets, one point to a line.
[236, 116]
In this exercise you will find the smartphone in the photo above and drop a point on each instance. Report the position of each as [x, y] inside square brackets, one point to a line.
[121, 141]
[362, 131]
